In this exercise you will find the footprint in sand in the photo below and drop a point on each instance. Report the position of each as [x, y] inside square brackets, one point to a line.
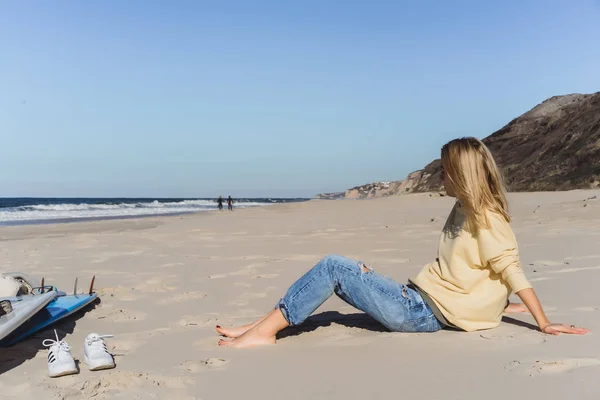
[179, 298]
[548, 367]
[562, 366]
[199, 366]
[215, 362]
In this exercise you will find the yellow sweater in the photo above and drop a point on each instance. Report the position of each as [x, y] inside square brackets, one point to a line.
[473, 275]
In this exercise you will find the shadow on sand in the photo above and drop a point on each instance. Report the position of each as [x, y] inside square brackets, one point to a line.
[363, 321]
[327, 318]
[522, 324]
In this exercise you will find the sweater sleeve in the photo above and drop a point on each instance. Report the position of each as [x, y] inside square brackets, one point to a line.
[498, 249]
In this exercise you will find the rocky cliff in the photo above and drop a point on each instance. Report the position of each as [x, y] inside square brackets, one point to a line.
[554, 146]
[377, 189]
[330, 196]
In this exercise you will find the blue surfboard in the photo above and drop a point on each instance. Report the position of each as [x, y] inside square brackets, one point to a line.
[59, 308]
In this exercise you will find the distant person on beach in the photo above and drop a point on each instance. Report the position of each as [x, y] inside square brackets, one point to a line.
[465, 289]
[230, 203]
[220, 203]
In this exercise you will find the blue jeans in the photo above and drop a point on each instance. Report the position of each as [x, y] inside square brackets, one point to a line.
[398, 307]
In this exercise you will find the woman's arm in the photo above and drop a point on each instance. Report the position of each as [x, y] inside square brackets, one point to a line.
[498, 248]
[532, 302]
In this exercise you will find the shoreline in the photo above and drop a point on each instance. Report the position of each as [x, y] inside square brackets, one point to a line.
[75, 220]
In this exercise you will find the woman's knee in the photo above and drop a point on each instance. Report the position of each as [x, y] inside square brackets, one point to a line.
[332, 260]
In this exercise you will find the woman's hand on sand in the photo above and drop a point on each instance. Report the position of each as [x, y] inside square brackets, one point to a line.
[533, 305]
[557, 329]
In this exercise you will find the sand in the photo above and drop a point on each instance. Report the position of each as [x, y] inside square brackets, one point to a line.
[165, 282]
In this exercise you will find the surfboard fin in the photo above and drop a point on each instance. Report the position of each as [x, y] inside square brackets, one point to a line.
[42, 287]
[92, 285]
[75, 287]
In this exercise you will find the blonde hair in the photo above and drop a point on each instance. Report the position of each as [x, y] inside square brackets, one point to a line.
[477, 182]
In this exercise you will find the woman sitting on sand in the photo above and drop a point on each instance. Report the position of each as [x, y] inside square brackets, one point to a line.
[466, 288]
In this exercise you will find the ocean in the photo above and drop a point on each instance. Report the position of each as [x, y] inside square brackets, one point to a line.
[17, 211]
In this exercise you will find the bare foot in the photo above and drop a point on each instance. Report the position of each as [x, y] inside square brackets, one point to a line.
[238, 331]
[516, 308]
[249, 339]
[235, 331]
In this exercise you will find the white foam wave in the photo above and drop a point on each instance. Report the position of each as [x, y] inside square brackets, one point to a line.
[67, 211]
[75, 207]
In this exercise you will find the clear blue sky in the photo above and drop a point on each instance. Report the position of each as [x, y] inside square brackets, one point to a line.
[268, 98]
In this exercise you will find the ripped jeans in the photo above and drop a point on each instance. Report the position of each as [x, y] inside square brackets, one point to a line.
[398, 307]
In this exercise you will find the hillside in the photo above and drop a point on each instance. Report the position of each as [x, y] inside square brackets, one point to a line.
[554, 146]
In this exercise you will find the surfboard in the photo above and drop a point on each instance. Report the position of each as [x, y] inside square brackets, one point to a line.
[61, 307]
[23, 309]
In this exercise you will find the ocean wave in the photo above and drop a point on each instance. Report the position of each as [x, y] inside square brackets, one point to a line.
[83, 210]
[74, 207]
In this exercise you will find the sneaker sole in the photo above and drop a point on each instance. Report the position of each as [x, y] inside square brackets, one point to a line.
[98, 368]
[72, 372]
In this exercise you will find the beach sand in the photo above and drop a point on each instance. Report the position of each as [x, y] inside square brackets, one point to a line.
[165, 282]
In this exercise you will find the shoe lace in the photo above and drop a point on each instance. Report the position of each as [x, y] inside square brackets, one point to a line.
[61, 344]
[97, 341]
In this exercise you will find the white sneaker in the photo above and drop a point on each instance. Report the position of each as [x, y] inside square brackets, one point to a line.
[95, 353]
[60, 360]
